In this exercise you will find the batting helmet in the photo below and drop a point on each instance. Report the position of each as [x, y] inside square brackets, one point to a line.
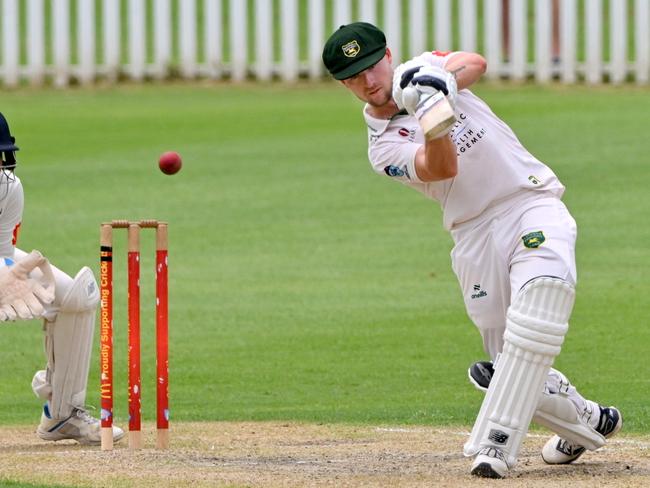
[7, 144]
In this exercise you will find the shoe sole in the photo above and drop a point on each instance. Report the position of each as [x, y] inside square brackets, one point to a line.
[46, 436]
[50, 438]
[485, 470]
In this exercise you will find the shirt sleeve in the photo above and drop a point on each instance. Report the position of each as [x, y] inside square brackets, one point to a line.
[393, 157]
[10, 218]
[439, 58]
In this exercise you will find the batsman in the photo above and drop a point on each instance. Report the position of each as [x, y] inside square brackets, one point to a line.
[31, 288]
[514, 239]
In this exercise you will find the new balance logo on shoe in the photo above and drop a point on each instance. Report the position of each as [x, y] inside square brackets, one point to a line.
[569, 449]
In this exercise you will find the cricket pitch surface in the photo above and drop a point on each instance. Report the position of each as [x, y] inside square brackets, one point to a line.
[281, 454]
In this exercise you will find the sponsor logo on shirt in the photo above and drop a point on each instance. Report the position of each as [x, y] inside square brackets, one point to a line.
[464, 135]
[534, 180]
[392, 170]
[410, 133]
[479, 293]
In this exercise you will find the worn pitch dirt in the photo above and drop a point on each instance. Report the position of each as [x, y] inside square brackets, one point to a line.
[275, 454]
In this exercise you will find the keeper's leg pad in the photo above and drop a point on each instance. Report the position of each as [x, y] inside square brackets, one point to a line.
[537, 321]
[68, 343]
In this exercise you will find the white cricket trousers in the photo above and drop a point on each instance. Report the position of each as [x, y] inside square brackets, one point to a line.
[495, 254]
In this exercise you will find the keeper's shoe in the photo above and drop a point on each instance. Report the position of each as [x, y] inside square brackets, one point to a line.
[79, 426]
[489, 463]
[480, 374]
[561, 451]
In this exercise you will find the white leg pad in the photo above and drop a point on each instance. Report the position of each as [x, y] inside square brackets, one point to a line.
[558, 413]
[68, 344]
[536, 324]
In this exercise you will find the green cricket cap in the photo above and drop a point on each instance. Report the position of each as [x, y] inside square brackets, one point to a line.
[353, 48]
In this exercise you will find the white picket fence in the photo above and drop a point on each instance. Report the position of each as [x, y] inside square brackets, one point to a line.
[42, 40]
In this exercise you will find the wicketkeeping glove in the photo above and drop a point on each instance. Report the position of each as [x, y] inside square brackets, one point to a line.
[22, 296]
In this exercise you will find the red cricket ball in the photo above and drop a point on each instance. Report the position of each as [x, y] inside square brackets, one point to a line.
[170, 163]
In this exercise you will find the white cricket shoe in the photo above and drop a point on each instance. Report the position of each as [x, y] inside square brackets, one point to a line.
[79, 426]
[489, 463]
[561, 451]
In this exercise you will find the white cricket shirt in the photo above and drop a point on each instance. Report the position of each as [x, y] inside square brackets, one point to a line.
[11, 213]
[492, 163]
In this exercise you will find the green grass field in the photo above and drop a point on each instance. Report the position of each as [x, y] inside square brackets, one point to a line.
[302, 286]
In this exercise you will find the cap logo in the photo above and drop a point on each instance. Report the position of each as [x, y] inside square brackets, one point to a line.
[351, 49]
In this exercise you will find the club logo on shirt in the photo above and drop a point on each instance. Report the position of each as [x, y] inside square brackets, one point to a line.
[534, 239]
[351, 49]
[534, 180]
[394, 171]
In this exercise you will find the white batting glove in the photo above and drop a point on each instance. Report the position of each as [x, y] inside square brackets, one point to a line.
[22, 296]
[430, 96]
[426, 82]
[402, 77]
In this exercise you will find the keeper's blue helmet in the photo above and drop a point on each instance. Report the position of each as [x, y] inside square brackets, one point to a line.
[7, 145]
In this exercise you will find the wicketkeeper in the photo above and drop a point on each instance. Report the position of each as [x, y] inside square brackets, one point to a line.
[31, 288]
[514, 252]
